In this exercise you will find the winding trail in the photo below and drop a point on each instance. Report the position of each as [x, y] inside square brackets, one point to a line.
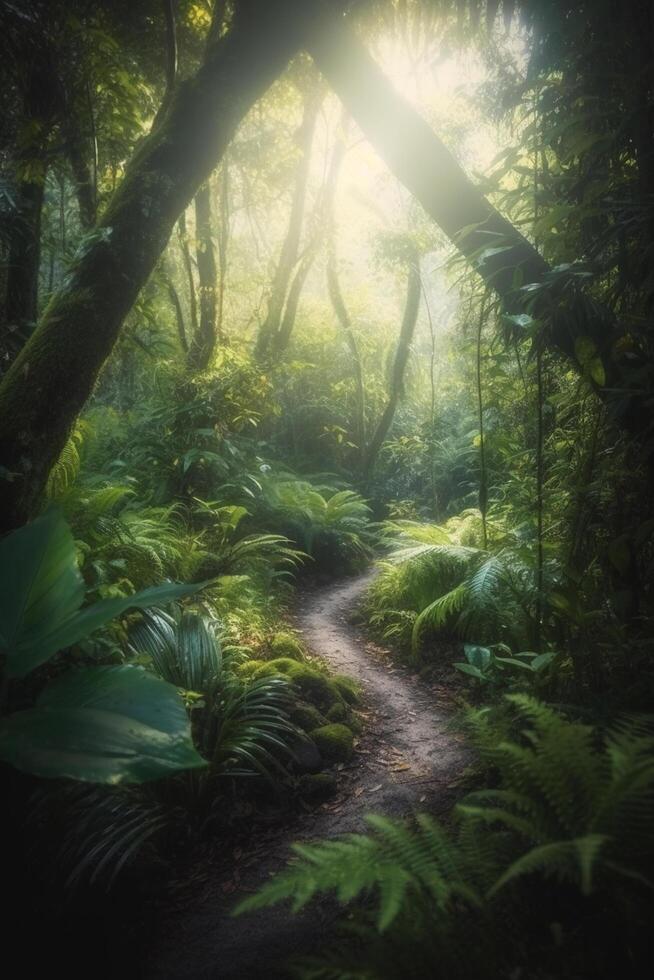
[407, 759]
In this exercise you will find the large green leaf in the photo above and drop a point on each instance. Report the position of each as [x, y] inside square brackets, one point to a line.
[41, 591]
[103, 725]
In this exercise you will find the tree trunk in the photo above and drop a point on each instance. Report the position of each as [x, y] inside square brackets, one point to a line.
[179, 313]
[23, 263]
[82, 177]
[290, 248]
[426, 167]
[418, 157]
[223, 246]
[407, 330]
[52, 378]
[323, 225]
[40, 103]
[334, 287]
[204, 339]
[187, 262]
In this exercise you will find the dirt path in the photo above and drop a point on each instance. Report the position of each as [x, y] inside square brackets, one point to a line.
[407, 758]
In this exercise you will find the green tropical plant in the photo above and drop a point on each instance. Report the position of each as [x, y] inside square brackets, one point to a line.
[439, 578]
[570, 806]
[240, 726]
[102, 724]
[485, 665]
[326, 523]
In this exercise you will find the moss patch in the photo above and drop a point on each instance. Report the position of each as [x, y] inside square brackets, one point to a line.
[285, 644]
[281, 665]
[306, 717]
[347, 687]
[337, 712]
[335, 742]
[250, 667]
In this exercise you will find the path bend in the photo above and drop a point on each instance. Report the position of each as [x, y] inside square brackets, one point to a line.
[407, 759]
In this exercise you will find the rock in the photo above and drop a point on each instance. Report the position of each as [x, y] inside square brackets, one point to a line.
[337, 712]
[335, 742]
[306, 717]
[318, 786]
[306, 756]
[347, 687]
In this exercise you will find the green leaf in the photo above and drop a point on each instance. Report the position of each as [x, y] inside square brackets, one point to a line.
[473, 671]
[41, 591]
[590, 361]
[477, 656]
[514, 662]
[102, 724]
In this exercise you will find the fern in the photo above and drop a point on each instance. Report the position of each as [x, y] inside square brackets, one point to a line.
[568, 807]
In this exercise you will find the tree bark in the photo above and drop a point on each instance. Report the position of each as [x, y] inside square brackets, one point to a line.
[50, 381]
[204, 339]
[179, 313]
[82, 176]
[182, 234]
[402, 352]
[290, 248]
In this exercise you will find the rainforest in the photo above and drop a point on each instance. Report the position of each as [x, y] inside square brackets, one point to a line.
[326, 488]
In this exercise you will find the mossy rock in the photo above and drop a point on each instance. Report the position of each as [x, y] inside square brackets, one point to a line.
[281, 665]
[335, 742]
[285, 644]
[306, 716]
[347, 687]
[337, 712]
[250, 667]
[314, 686]
[318, 786]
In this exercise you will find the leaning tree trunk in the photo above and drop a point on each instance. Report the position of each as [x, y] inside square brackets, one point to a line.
[501, 255]
[52, 378]
[290, 248]
[204, 339]
[407, 330]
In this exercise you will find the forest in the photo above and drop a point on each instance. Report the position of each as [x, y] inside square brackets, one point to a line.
[326, 488]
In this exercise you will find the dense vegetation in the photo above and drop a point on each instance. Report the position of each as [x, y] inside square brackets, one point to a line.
[288, 288]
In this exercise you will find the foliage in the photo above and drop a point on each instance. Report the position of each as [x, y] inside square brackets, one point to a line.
[240, 726]
[101, 724]
[568, 807]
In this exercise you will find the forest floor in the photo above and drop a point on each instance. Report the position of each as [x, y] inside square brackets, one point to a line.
[407, 758]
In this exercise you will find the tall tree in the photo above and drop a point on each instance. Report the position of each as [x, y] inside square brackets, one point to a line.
[402, 351]
[204, 339]
[50, 381]
[41, 94]
[290, 248]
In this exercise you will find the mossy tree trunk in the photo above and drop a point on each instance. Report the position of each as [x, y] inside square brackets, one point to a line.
[52, 378]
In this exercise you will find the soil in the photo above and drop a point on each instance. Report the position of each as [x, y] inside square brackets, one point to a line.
[408, 758]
